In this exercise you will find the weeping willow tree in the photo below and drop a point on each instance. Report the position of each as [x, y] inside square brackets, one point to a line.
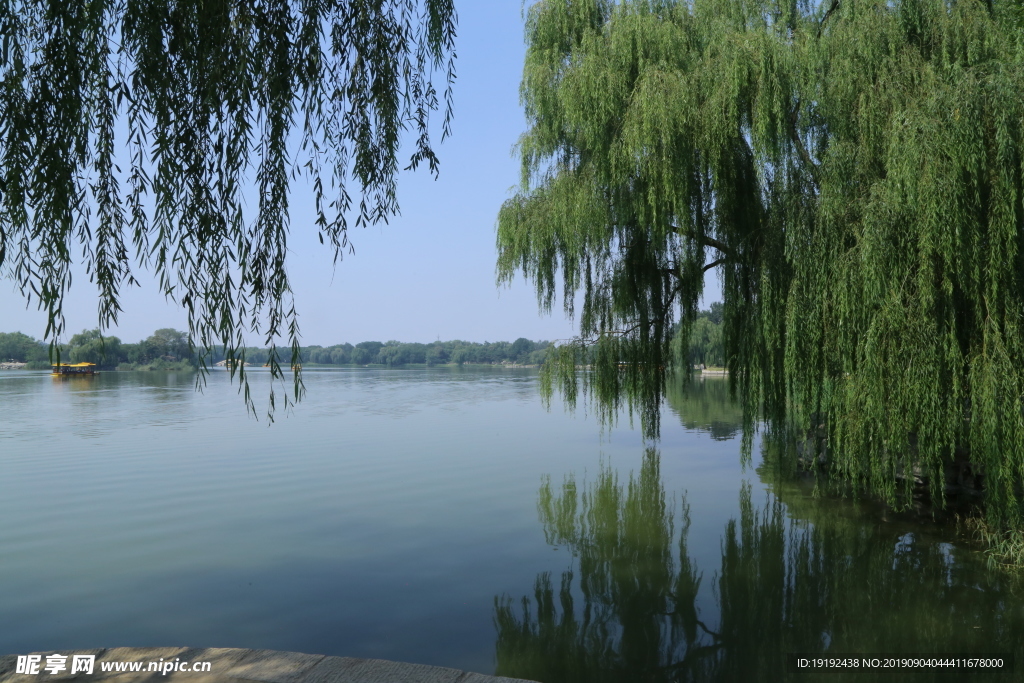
[133, 131]
[852, 171]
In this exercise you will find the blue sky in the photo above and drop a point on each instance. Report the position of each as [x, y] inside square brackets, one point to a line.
[429, 273]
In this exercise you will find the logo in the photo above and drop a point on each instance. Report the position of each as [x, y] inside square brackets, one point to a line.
[55, 664]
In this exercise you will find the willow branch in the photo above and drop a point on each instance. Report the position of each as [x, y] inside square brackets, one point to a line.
[624, 332]
[832, 8]
[674, 272]
[705, 240]
[713, 264]
[592, 341]
[812, 167]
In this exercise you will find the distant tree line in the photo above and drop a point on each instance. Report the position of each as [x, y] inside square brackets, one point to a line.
[169, 349]
[393, 353]
[165, 348]
[21, 348]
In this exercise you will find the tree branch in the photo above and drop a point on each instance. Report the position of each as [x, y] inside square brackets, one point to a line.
[591, 341]
[623, 333]
[812, 167]
[832, 8]
[705, 240]
[713, 264]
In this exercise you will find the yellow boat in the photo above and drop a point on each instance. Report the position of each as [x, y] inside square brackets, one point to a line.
[73, 369]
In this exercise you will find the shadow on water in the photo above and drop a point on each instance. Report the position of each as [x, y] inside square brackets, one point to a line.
[797, 574]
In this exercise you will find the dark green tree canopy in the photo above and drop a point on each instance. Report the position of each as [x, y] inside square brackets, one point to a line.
[131, 131]
[18, 347]
[852, 171]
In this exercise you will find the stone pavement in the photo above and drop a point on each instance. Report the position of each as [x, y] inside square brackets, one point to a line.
[229, 665]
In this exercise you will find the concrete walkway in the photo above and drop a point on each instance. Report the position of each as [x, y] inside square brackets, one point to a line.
[228, 665]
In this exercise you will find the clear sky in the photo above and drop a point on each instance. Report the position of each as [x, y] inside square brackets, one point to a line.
[429, 273]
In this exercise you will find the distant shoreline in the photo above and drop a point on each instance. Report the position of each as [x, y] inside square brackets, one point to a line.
[284, 366]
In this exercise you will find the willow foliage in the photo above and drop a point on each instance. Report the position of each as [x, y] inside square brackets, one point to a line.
[852, 170]
[134, 131]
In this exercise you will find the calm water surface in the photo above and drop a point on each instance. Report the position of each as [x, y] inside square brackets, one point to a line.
[443, 516]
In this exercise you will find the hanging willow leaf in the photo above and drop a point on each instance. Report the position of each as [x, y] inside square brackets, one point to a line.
[216, 102]
[851, 170]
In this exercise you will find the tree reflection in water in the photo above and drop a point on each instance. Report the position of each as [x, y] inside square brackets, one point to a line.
[637, 616]
[829, 580]
[704, 404]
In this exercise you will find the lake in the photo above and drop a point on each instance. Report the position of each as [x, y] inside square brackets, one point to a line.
[443, 516]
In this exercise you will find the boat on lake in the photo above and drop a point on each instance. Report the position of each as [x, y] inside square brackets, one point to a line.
[73, 369]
